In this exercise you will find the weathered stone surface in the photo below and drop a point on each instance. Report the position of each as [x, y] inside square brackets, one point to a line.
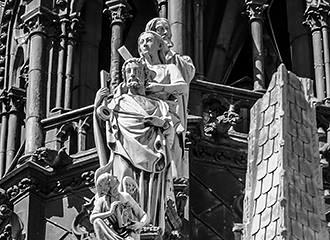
[261, 203]
[272, 196]
[269, 115]
[255, 224]
[262, 170]
[271, 231]
[263, 136]
[272, 163]
[266, 217]
[297, 229]
[274, 96]
[267, 183]
[288, 205]
[274, 129]
[257, 190]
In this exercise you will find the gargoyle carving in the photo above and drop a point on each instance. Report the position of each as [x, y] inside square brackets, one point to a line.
[219, 126]
[53, 158]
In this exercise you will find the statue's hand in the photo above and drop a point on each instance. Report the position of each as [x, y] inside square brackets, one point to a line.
[101, 94]
[113, 206]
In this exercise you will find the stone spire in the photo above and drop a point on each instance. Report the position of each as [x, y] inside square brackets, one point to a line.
[284, 182]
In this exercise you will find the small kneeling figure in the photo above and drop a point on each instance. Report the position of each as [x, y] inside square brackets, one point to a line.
[116, 215]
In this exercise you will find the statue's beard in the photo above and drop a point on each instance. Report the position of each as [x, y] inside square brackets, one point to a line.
[134, 83]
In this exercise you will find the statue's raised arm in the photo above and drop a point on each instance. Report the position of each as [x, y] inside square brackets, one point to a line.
[183, 62]
[167, 83]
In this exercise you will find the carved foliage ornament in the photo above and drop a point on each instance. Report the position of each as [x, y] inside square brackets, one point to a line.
[24, 185]
[118, 11]
[313, 19]
[255, 9]
[317, 3]
[40, 23]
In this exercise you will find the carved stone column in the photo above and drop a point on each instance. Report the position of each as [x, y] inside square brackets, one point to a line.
[3, 133]
[61, 63]
[255, 10]
[326, 55]
[313, 19]
[72, 37]
[118, 11]
[16, 104]
[162, 8]
[35, 101]
[198, 35]
[176, 18]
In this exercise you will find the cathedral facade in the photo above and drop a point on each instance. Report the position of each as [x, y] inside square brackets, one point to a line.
[51, 56]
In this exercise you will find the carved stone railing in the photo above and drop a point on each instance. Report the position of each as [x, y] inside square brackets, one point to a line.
[71, 130]
[224, 109]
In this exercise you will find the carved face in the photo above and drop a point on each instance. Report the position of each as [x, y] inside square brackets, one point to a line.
[163, 29]
[114, 184]
[134, 75]
[130, 185]
[148, 44]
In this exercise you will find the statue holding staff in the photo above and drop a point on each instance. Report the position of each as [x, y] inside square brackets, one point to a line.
[142, 138]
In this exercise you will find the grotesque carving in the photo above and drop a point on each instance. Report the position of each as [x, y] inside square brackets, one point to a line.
[221, 124]
[53, 158]
[10, 224]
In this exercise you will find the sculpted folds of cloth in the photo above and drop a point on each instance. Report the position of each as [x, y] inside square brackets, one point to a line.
[143, 134]
[182, 62]
[147, 122]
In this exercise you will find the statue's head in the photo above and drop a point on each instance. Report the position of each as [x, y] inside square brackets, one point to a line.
[151, 43]
[107, 184]
[162, 27]
[134, 73]
[129, 185]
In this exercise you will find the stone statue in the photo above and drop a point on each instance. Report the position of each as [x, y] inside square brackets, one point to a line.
[142, 132]
[183, 62]
[186, 68]
[116, 215]
[166, 83]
